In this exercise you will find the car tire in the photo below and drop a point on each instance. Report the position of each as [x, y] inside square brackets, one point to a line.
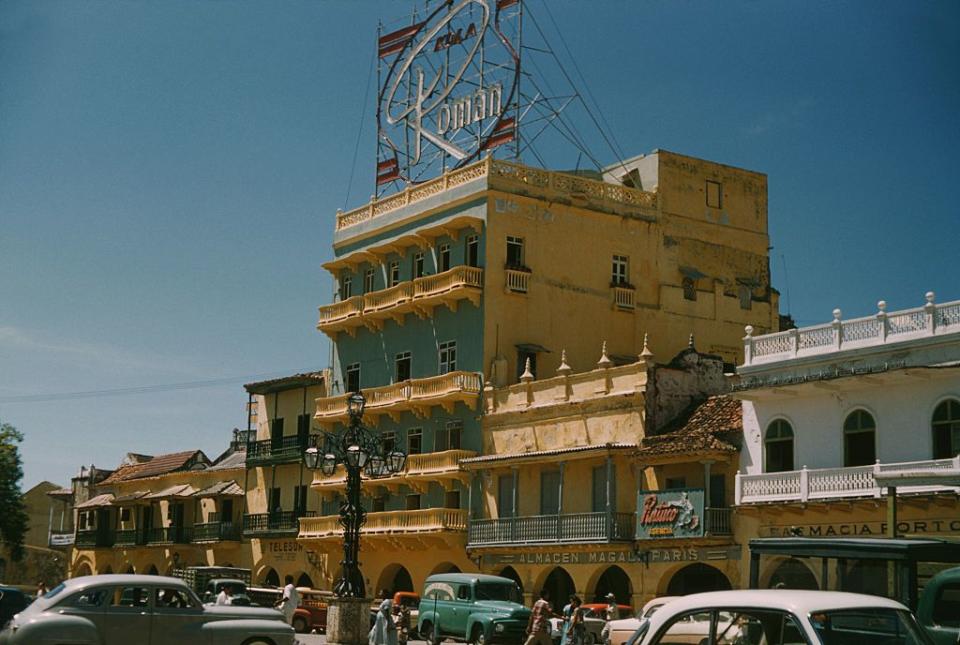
[429, 634]
[258, 640]
[477, 636]
[300, 625]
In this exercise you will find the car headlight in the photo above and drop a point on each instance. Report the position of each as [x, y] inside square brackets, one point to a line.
[499, 627]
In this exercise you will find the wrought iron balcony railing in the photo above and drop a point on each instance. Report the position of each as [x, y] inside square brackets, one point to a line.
[551, 529]
[216, 532]
[169, 535]
[90, 538]
[287, 449]
[276, 522]
[129, 537]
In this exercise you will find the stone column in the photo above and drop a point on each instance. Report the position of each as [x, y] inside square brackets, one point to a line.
[348, 621]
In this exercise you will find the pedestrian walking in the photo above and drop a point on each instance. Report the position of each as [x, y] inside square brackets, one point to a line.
[538, 626]
[576, 633]
[384, 631]
[290, 600]
[612, 611]
[567, 610]
[401, 618]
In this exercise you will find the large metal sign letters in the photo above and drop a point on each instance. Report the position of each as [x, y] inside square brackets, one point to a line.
[448, 88]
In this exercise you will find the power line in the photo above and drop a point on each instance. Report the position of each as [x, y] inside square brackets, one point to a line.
[144, 389]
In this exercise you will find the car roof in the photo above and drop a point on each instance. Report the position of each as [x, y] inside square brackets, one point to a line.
[466, 578]
[796, 601]
[82, 582]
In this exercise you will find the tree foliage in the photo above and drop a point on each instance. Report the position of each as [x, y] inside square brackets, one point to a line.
[13, 513]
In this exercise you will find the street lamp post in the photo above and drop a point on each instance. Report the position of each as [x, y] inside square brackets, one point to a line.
[358, 451]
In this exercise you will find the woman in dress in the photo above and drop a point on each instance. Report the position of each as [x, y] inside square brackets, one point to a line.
[567, 610]
[384, 630]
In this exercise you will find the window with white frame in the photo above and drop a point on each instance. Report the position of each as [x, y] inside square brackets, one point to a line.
[473, 251]
[621, 270]
[368, 280]
[414, 441]
[515, 255]
[448, 356]
[393, 274]
[443, 257]
[403, 365]
[346, 287]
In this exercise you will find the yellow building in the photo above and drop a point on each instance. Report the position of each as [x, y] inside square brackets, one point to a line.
[524, 260]
[277, 488]
[576, 475]
[155, 514]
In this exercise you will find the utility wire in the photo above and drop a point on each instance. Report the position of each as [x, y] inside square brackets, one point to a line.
[356, 147]
[146, 389]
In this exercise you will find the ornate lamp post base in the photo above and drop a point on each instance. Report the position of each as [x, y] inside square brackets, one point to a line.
[348, 621]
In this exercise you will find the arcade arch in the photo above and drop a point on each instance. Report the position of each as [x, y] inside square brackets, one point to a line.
[270, 578]
[695, 578]
[510, 572]
[304, 581]
[559, 585]
[792, 574]
[395, 577]
[445, 567]
[616, 581]
[153, 571]
[82, 569]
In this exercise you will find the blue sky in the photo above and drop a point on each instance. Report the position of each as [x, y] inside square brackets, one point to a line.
[169, 172]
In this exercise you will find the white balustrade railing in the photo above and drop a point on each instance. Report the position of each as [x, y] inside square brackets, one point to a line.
[623, 297]
[517, 281]
[836, 483]
[883, 327]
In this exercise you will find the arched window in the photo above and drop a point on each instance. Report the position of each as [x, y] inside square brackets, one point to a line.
[946, 430]
[778, 447]
[859, 439]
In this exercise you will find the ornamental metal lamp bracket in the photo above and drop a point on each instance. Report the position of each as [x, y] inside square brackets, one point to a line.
[358, 450]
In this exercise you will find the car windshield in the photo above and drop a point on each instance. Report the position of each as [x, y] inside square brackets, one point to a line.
[53, 592]
[869, 625]
[638, 635]
[498, 592]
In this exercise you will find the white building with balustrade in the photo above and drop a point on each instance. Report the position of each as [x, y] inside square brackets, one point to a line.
[827, 407]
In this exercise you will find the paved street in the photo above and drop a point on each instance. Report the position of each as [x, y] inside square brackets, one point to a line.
[316, 639]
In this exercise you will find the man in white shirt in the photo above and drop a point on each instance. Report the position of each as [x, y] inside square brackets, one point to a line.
[290, 601]
[225, 597]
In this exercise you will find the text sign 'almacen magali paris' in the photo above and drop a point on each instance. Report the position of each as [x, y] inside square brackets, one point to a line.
[448, 88]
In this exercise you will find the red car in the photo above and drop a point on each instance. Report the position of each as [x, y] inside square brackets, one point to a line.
[599, 609]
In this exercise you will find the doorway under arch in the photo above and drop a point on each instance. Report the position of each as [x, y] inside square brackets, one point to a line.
[82, 570]
[793, 574]
[695, 578]
[304, 581]
[130, 569]
[510, 572]
[616, 581]
[395, 577]
[108, 570]
[270, 578]
[560, 586]
[152, 571]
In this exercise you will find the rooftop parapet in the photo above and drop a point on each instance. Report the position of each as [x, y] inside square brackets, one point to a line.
[878, 330]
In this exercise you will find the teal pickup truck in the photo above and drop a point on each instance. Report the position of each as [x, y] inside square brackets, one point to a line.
[939, 607]
[472, 607]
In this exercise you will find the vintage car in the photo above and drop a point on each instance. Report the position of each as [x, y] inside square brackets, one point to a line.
[782, 616]
[599, 609]
[120, 609]
[411, 601]
[311, 615]
[240, 598]
[472, 607]
[619, 632]
[594, 626]
[12, 601]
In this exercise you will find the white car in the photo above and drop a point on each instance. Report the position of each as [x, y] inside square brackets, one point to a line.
[782, 617]
[594, 626]
[618, 632]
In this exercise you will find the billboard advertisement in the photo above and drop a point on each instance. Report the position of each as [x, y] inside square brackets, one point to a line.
[666, 514]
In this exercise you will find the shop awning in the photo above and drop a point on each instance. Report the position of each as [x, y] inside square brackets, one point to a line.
[95, 502]
[225, 489]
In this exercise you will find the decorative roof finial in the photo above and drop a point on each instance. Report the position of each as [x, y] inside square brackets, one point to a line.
[527, 375]
[646, 355]
[690, 342]
[604, 361]
[564, 369]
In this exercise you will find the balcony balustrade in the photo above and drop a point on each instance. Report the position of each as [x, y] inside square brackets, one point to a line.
[169, 535]
[91, 538]
[215, 532]
[415, 395]
[718, 521]
[623, 297]
[419, 296]
[389, 523]
[517, 281]
[128, 537]
[880, 329]
[567, 528]
[288, 449]
[837, 483]
[278, 522]
[432, 466]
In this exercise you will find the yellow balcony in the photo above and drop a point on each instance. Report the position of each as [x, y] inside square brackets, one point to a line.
[419, 296]
[416, 396]
[425, 527]
[442, 467]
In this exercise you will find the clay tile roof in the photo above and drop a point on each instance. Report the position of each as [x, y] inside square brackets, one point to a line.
[159, 465]
[711, 427]
[286, 383]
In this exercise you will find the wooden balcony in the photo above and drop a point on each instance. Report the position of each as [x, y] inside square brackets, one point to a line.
[420, 296]
[441, 467]
[421, 528]
[416, 396]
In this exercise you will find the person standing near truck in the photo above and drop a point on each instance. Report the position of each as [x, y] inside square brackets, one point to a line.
[225, 597]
